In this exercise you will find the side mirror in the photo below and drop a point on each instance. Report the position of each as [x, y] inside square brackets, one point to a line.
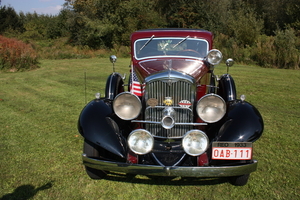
[113, 59]
[229, 62]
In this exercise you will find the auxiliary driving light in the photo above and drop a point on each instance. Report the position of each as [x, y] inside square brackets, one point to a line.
[195, 142]
[140, 141]
[127, 106]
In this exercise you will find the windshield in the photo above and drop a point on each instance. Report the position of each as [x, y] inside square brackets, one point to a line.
[170, 47]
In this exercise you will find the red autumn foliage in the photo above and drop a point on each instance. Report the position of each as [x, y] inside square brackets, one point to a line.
[15, 55]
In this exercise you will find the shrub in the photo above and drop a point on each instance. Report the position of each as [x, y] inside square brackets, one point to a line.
[264, 52]
[286, 49]
[16, 55]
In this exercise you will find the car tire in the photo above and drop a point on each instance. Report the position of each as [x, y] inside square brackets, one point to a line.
[239, 180]
[90, 151]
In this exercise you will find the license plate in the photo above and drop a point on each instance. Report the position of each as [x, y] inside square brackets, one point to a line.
[232, 150]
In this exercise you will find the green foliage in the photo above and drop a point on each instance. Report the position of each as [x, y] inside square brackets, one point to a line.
[16, 55]
[110, 23]
[247, 28]
[60, 49]
[263, 32]
[9, 19]
[288, 56]
[264, 52]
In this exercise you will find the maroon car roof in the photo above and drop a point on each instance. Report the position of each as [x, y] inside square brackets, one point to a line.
[173, 32]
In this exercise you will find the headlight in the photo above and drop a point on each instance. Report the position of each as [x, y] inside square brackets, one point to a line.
[214, 56]
[127, 106]
[140, 141]
[211, 108]
[195, 142]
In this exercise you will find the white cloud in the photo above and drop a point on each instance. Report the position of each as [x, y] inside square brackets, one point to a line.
[46, 0]
[51, 10]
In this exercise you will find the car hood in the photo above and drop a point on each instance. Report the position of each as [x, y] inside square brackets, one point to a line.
[192, 67]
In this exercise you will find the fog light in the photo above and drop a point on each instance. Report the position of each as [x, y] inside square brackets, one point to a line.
[195, 142]
[140, 141]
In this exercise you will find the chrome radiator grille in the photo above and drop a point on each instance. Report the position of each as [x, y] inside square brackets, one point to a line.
[182, 116]
[178, 90]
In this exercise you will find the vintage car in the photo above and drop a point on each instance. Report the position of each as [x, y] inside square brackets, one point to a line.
[173, 117]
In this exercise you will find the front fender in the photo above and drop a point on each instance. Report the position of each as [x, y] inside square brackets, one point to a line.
[96, 125]
[243, 123]
[114, 86]
[227, 89]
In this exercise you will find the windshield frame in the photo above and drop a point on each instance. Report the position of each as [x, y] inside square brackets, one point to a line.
[182, 40]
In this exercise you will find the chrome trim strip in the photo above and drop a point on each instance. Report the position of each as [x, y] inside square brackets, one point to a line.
[174, 107]
[143, 121]
[193, 124]
[166, 75]
[183, 171]
[176, 123]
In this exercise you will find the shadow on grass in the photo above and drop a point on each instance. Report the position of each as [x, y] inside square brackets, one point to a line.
[157, 180]
[25, 192]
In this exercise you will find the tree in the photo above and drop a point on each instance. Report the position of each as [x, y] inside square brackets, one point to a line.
[9, 19]
[108, 23]
[244, 25]
[286, 52]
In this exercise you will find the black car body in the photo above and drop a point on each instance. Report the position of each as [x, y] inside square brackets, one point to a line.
[175, 118]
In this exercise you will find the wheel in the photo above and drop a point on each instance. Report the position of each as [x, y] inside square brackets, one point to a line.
[90, 151]
[239, 180]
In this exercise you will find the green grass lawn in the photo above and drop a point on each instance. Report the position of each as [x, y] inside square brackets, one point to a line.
[40, 148]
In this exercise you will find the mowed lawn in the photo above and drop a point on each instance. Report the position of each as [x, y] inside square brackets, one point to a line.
[40, 148]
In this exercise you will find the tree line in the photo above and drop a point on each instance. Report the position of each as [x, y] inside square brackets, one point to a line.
[263, 32]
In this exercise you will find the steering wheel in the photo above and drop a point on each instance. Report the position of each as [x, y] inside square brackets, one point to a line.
[189, 51]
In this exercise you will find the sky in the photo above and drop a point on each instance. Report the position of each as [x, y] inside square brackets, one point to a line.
[47, 7]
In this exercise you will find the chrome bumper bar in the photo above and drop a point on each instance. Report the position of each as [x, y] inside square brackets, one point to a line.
[183, 171]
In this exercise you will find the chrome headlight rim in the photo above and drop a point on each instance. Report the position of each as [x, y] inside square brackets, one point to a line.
[137, 107]
[220, 116]
[135, 134]
[188, 135]
[214, 57]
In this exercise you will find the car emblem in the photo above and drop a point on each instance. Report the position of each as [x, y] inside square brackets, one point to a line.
[184, 103]
[152, 102]
[168, 101]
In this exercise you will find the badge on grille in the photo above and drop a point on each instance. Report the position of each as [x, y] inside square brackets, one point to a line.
[184, 103]
[168, 101]
[152, 102]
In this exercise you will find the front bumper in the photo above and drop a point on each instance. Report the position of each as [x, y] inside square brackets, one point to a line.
[183, 171]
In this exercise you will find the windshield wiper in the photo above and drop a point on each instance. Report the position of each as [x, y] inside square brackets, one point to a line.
[181, 41]
[147, 42]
